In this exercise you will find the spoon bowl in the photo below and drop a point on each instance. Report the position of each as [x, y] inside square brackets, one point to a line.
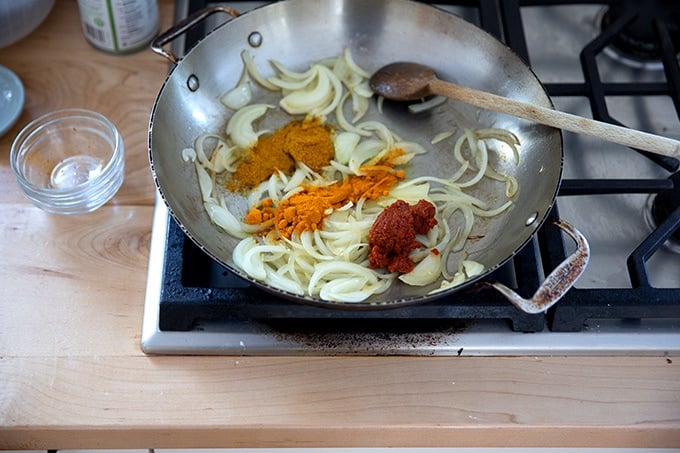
[403, 81]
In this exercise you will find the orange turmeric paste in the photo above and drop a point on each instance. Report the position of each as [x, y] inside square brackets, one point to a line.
[308, 141]
[305, 210]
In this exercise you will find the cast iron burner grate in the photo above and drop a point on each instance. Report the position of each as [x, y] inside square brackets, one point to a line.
[195, 289]
[642, 299]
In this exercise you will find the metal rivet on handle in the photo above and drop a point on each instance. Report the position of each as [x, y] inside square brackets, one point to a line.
[531, 219]
[255, 39]
[192, 82]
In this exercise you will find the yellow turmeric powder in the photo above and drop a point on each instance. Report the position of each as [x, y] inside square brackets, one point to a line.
[308, 141]
[305, 210]
[262, 214]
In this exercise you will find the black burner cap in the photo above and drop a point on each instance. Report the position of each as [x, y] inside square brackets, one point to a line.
[639, 39]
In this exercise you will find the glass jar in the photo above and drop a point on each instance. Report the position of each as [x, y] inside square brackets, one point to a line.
[119, 26]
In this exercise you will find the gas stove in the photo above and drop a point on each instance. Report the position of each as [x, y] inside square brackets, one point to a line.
[614, 61]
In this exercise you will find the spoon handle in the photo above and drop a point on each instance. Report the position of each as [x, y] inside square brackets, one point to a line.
[561, 120]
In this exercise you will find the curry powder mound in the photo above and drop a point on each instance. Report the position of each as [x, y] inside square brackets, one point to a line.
[311, 143]
[308, 141]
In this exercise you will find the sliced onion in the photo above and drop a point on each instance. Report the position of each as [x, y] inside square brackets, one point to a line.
[491, 212]
[224, 157]
[309, 246]
[280, 281]
[298, 82]
[472, 268]
[359, 107]
[342, 121]
[305, 101]
[504, 136]
[458, 279]
[223, 218]
[345, 143]
[200, 148]
[382, 131]
[425, 272]
[441, 137]
[254, 73]
[353, 66]
[189, 155]
[338, 269]
[411, 147]
[482, 160]
[240, 126]
[204, 182]
[427, 105]
[380, 102]
[295, 180]
[364, 152]
[363, 89]
[292, 75]
[346, 289]
[238, 97]
[238, 254]
[247, 259]
[410, 193]
[337, 94]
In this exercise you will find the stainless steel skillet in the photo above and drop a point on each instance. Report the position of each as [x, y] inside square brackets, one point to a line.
[298, 32]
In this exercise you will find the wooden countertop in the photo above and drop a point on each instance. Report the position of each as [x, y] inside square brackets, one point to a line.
[72, 374]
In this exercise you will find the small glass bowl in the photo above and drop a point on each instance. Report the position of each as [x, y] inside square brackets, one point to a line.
[69, 161]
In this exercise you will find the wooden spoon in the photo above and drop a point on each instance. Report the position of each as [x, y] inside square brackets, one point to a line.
[411, 81]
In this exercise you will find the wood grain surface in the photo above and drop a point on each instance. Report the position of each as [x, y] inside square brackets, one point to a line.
[72, 374]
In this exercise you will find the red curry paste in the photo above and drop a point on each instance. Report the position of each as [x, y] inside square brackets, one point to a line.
[393, 235]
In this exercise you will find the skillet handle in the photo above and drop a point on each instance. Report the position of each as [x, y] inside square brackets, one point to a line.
[184, 25]
[560, 280]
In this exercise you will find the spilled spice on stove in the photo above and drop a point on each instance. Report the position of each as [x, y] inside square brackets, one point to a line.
[308, 141]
